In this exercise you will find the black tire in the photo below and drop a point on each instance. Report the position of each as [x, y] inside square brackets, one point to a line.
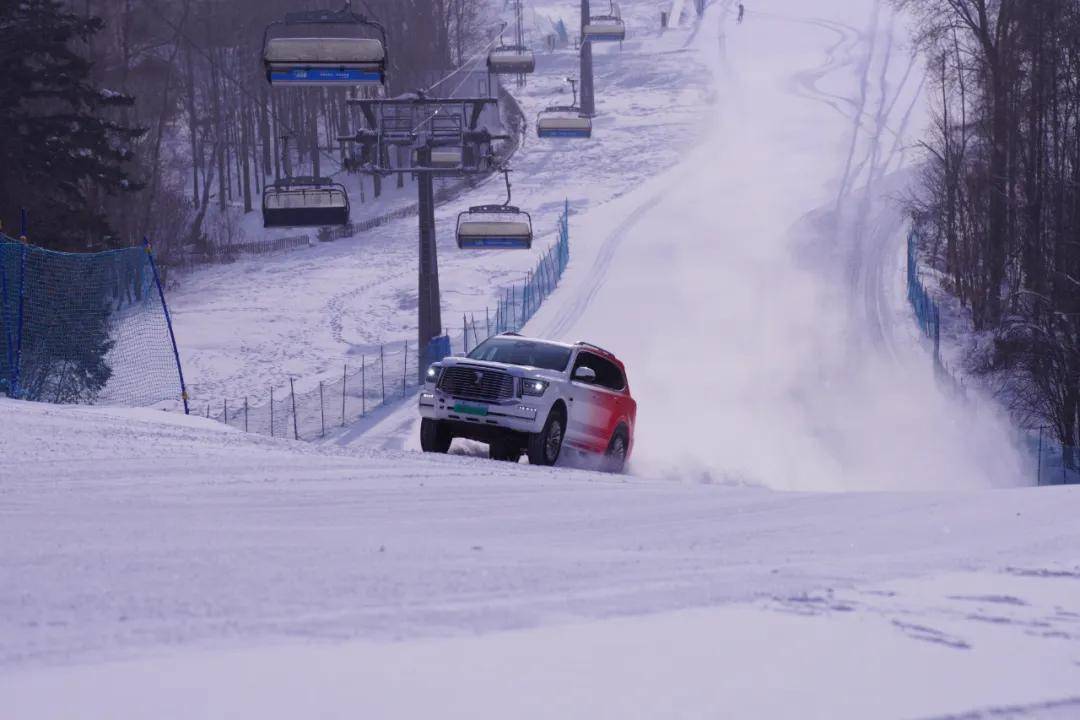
[504, 451]
[545, 446]
[615, 456]
[435, 436]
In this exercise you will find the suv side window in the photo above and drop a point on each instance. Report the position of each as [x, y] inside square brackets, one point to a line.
[608, 374]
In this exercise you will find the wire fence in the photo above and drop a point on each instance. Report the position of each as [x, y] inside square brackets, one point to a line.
[390, 372]
[1055, 463]
[927, 314]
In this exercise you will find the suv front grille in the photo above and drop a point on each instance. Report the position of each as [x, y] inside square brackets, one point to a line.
[477, 383]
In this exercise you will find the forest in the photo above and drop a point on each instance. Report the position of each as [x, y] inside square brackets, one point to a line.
[132, 118]
[999, 202]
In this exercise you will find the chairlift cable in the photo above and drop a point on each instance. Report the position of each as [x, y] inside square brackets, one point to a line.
[152, 4]
[457, 87]
[483, 51]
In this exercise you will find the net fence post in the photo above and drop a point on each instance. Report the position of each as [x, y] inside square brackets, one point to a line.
[487, 318]
[363, 385]
[382, 371]
[271, 411]
[1038, 466]
[322, 411]
[8, 349]
[226, 404]
[19, 324]
[245, 413]
[292, 393]
[168, 322]
[405, 369]
[344, 381]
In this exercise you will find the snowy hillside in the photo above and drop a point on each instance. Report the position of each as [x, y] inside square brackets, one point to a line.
[186, 570]
[247, 326]
[811, 527]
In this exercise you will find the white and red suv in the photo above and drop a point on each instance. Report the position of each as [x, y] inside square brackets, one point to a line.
[521, 395]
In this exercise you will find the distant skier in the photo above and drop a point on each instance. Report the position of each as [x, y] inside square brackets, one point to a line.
[742, 12]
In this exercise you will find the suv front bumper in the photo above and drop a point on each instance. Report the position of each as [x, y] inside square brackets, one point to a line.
[524, 415]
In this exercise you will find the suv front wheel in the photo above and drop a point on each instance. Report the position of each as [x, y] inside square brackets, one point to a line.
[434, 436]
[544, 446]
[504, 450]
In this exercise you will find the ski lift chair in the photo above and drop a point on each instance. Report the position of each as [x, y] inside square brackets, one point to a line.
[563, 121]
[324, 48]
[495, 226]
[605, 28]
[305, 202]
[511, 60]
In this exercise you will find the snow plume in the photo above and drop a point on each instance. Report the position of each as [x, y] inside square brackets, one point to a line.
[769, 346]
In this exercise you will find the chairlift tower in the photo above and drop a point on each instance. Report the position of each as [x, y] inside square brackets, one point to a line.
[588, 102]
[425, 126]
[520, 34]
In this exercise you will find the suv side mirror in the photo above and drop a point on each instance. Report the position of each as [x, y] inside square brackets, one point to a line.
[585, 374]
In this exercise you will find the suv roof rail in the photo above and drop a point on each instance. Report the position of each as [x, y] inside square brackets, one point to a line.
[589, 345]
[512, 333]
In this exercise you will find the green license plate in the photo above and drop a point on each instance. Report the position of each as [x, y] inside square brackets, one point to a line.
[470, 409]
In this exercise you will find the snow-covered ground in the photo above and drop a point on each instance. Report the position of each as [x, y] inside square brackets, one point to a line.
[161, 566]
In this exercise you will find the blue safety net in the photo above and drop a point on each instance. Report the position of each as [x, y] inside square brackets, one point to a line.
[84, 328]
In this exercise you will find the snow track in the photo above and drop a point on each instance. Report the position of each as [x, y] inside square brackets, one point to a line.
[184, 570]
[758, 331]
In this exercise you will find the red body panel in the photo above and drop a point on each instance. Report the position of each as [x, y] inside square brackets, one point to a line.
[605, 410]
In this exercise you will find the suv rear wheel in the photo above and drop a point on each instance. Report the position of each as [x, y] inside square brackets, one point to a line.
[544, 446]
[435, 436]
[615, 457]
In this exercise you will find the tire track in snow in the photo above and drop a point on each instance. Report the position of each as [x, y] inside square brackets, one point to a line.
[872, 242]
[587, 290]
[846, 179]
[804, 83]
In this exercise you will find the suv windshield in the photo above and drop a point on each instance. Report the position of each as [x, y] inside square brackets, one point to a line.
[518, 351]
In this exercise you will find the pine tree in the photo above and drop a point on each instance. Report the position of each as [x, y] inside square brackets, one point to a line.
[61, 148]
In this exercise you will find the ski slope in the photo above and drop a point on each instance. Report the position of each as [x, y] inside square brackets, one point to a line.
[169, 567]
[756, 290]
[812, 528]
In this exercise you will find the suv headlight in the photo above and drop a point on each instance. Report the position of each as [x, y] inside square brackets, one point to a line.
[533, 387]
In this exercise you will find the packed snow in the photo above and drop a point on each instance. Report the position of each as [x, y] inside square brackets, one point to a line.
[164, 566]
[811, 526]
